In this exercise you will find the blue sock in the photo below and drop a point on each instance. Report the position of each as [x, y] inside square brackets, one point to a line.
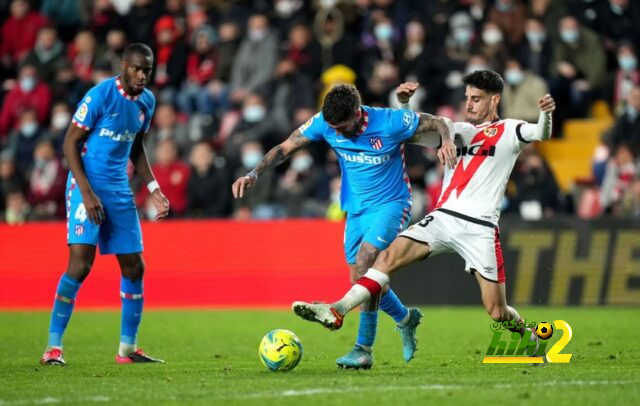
[367, 329]
[390, 304]
[62, 309]
[132, 300]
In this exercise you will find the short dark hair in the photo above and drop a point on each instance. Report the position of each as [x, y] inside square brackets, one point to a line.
[340, 103]
[137, 48]
[486, 80]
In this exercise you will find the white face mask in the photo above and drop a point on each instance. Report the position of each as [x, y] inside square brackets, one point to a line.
[492, 36]
[302, 163]
[536, 37]
[29, 129]
[257, 35]
[286, 8]
[514, 76]
[462, 35]
[383, 32]
[570, 36]
[60, 121]
[27, 84]
[250, 159]
[253, 113]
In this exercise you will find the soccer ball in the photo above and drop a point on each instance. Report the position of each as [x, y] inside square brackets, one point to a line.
[280, 350]
[544, 330]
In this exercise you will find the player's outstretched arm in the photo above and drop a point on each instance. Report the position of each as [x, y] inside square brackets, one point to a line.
[442, 126]
[139, 158]
[542, 130]
[92, 203]
[273, 158]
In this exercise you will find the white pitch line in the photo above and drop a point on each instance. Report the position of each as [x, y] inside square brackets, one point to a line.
[325, 391]
[426, 387]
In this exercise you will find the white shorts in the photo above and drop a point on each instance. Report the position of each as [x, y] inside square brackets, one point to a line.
[476, 241]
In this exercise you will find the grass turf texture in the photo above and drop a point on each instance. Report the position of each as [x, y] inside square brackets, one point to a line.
[212, 358]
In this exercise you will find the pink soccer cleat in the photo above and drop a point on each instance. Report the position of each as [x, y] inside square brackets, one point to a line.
[53, 357]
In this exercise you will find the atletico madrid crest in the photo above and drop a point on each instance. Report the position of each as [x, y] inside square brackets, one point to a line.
[141, 116]
[79, 229]
[376, 143]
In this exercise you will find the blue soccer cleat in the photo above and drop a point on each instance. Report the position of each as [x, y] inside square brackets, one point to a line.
[408, 334]
[356, 359]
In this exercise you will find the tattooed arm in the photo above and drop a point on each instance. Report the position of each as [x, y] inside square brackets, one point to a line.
[436, 131]
[273, 158]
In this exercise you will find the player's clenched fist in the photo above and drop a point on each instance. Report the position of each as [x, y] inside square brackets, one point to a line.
[241, 184]
[405, 91]
[546, 103]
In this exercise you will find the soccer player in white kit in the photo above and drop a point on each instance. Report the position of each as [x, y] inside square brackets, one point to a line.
[465, 219]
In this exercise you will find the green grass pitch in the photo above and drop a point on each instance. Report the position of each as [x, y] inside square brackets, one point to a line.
[212, 359]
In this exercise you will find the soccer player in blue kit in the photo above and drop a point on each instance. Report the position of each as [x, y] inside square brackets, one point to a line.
[107, 130]
[376, 193]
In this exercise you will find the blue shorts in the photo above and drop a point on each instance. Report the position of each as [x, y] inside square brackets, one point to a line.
[119, 233]
[377, 226]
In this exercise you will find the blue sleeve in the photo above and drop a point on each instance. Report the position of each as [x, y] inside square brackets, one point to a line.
[314, 128]
[89, 110]
[402, 124]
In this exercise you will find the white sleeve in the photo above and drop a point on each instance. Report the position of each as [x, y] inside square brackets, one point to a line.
[527, 132]
[465, 132]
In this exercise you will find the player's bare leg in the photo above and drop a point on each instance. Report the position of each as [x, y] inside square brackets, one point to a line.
[132, 269]
[401, 252]
[81, 257]
[494, 299]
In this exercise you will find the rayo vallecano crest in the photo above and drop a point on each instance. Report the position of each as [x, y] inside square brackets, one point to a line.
[491, 131]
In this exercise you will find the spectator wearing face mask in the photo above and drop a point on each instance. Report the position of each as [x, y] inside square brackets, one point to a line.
[625, 77]
[521, 93]
[535, 48]
[620, 174]
[626, 129]
[29, 93]
[579, 69]
[60, 120]
[256, 59]
[258, 203]
[492, 45]
[301, 190]
[254, 124]
[47, 183]
[208, 183]
[23, 140]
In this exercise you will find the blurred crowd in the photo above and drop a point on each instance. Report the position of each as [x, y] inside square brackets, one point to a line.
[233, 78]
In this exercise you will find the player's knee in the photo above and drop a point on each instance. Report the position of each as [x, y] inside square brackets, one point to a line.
[79, 269]
[134, 269]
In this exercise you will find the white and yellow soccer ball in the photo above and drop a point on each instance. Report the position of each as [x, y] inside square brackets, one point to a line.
[280, 350]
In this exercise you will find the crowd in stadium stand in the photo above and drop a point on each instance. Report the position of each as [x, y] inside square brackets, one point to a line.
[233, 78]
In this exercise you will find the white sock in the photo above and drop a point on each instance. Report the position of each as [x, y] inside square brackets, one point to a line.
[126, 349]
[358, 294]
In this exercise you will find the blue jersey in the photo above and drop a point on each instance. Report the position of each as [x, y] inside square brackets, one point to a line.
[372, 163]
[113, 118]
